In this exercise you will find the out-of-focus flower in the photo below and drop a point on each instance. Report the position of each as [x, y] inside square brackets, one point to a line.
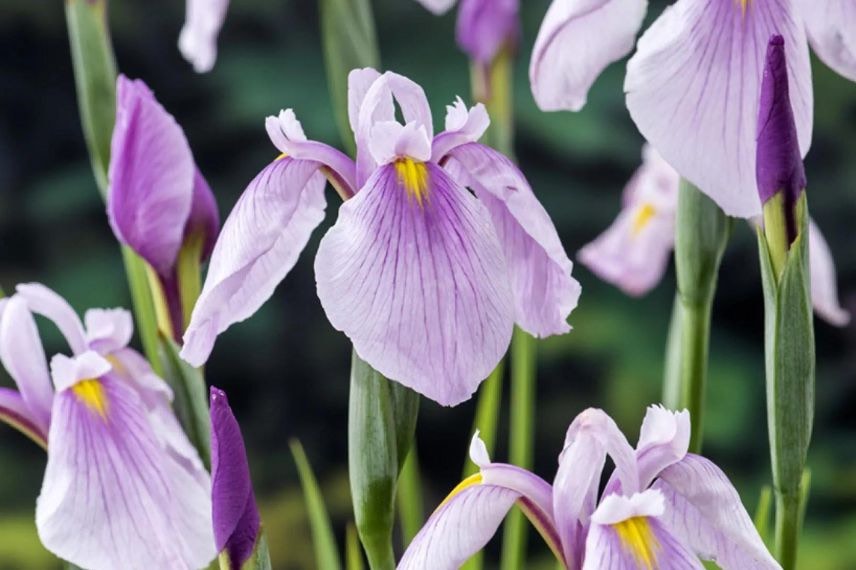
[426, 278]
[236, 516]
[198, 38]
[157, 202]
[692, 86]
[662, 507]
[484, 26]
[634, 251]
[123, 487]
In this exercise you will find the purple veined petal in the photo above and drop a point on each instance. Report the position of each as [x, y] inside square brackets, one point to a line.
[462, 126]
[415, 277]
[830, 27]
[577, 41]
[663, 440]
[824, 289]
[286, 133]
[198, 38]
[236, 517]
[544, 290]
[204, 214]
[24, 358]
[108, 330]
[438, 6]
[693, 90]
[626, 533]
[591, 437]
[378, 105]
[15, 412]
[705, 512]
[359, 83]
[459, 528]
[259, 244]
[483, 26]
[45, 302]
[143, 508]
[151, 177]
[390, 140]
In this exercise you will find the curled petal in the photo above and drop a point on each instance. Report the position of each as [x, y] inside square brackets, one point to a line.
[108, 330]
[359, 82]
[143, 508]
[830, 28]
[462, 126]
[151, 177]
[47, 303]
[704, 511]
[693, 89]
[24, 358]
[824, 289]
[413, 274]
[483, 27]
[544, 291]
[198, 38]
[577, 40]
[260, 243]
[663, 441]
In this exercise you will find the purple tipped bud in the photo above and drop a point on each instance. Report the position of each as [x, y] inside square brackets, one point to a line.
[779, 161]
[236, 517]
[485, 25]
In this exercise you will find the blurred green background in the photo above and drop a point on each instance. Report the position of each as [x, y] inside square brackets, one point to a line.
[286, 369]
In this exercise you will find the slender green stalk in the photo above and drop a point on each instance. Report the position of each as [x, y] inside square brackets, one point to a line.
[672, 370]
[324, 542]
[523, 364]
[409, 496]
[695, 324]
[487, 414]
[353, 552]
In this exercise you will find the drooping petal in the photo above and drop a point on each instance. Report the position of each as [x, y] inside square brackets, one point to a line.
[142, 508]
[830, 26]
[413, 274]
[260, 243]
[663, 440]
[483, 27]
[151, 177]
[15, 412]
[704, 511]
[438, 6]
[198, 38]
[577, 41]
[45, 302]
[459, 528]
[108, 330]
[544, 291]
[824, 288]
[693, 89]
[236, 517]
[24, 358]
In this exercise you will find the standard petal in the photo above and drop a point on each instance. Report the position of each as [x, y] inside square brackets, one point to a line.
[24, 358]
[416, 279]
[459, 528]
[544, 291]
[359, 82]
[663, 440]
[260, 243]
[151, 177]
[198, 38]
[577, 40]
[483, 27]
[824, 287]
[142, 509]
[108, 330]
[830, 26]
[704, 511]
[693, 89]
[47, 303]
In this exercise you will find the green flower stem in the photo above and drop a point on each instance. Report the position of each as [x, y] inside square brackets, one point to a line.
[409, 496]
[701, 234]
[672, 372]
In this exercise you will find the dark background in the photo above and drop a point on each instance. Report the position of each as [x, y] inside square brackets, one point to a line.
[286, 369]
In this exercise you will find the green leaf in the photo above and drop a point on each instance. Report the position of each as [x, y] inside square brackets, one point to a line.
[326, 551]
[191, 398]
[350, 42]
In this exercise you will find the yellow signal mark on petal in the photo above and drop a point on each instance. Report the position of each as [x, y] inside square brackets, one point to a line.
[643, 217]
[637, 537]
[744, 4]
[91, 393]
[413, 175]
[470, 481]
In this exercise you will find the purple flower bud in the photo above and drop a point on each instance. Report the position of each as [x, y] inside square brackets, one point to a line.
[236, 517]
[779, 161]
[485, 25]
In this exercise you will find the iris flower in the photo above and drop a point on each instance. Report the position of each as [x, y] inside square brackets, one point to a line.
[158, 202]
[483, 26]
[426, 277]
[662, 507]
[198, 39]
[123, 487]
[693, 85]
[634, 251]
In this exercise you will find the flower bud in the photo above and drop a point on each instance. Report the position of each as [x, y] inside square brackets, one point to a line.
[485, 26]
